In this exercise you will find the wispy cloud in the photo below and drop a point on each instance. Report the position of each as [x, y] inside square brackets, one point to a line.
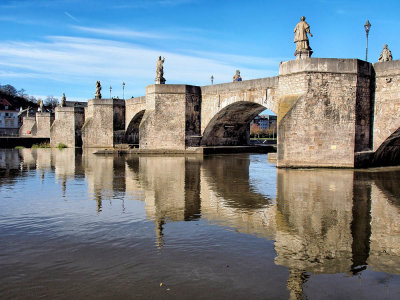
[76, 60]
[71, 16]
[120, 32]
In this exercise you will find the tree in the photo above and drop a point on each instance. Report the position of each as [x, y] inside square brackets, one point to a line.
[255, 130]
[51, 101]
[9, 89]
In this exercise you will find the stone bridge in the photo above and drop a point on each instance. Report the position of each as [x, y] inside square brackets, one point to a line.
[331, 113]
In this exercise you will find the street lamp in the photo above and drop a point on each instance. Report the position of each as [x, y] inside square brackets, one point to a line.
[110, 91]
[123, 90]
[212, 79]
[367, 27]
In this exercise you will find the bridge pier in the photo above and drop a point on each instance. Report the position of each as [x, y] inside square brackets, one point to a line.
[324, 115]
[172, 117]
[66, 128]
[104, 123]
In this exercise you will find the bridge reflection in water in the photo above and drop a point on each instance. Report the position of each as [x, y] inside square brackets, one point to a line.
[322, 221]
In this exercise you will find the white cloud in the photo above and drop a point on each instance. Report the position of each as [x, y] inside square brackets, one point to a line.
[79, 61]
[71, 16]
[121, 32]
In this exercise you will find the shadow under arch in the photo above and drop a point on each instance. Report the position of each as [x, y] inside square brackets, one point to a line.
[132, 131]
[231, 125]
[388, 153]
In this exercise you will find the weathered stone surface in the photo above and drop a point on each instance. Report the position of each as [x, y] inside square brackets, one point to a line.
[168, 108]
[330, 119]
[227, 109]
[387, 101]
[28, 124]
[134, 111]
[43, 123]
[66, 128]
[104, 122]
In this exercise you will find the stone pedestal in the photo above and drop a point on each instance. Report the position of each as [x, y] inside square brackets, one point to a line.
[104, 123]
[300, 54]
[43, 123]
[172, 117]
[160, 80]
[66, 128]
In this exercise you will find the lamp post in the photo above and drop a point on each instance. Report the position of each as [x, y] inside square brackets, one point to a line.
[110, 91]
[212, 79]
[123, 90]
[367, 27]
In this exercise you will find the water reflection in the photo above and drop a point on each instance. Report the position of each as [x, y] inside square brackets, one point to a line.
[321, 221]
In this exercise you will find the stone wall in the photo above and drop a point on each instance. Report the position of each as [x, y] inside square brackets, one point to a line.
[28, 124]
[217, 97]
[387, 101]
[164, 123]
[97, 131]
[43, 123]
[66, 128]
[134, 111]
[321, 102]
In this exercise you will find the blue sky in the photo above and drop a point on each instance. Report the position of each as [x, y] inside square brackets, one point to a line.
[55, 46]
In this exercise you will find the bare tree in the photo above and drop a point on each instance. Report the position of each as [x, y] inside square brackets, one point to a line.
[51, 101]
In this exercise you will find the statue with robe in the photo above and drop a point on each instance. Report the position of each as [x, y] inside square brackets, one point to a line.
[237, 76]
[63, 99]
[301, 30]
[160, 71]
[386, 54]
[97, 95]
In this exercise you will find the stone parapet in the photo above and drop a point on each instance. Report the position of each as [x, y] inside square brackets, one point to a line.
[325, 65]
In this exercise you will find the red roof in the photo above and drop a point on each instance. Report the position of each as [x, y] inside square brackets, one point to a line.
[4, 102]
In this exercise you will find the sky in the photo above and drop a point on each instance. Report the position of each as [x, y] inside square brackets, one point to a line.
[64, 46]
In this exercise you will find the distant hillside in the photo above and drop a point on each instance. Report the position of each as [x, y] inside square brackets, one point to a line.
[16, 101]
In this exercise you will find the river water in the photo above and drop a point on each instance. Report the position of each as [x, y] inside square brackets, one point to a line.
[77, 225]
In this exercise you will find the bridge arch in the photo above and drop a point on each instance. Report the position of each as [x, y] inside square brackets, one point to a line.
[231, 125]
[388, 153]
[132, 131]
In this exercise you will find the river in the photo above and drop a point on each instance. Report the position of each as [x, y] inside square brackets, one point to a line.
[78, 225]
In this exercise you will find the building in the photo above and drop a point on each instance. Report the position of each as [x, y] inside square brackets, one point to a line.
[8, 118]
[265, 122]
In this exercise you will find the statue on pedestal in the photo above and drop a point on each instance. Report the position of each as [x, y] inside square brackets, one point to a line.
[63, 99]
[303, 48]
[40, 105]
[160, 71]
[386, 54]
[237, 76]
[98, 89]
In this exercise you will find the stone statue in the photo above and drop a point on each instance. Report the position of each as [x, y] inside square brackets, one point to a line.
[303, 48]
[98, 89]
[160, 71]
[237, 76]
[63, 99]
[41, 105]
[386, 54]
